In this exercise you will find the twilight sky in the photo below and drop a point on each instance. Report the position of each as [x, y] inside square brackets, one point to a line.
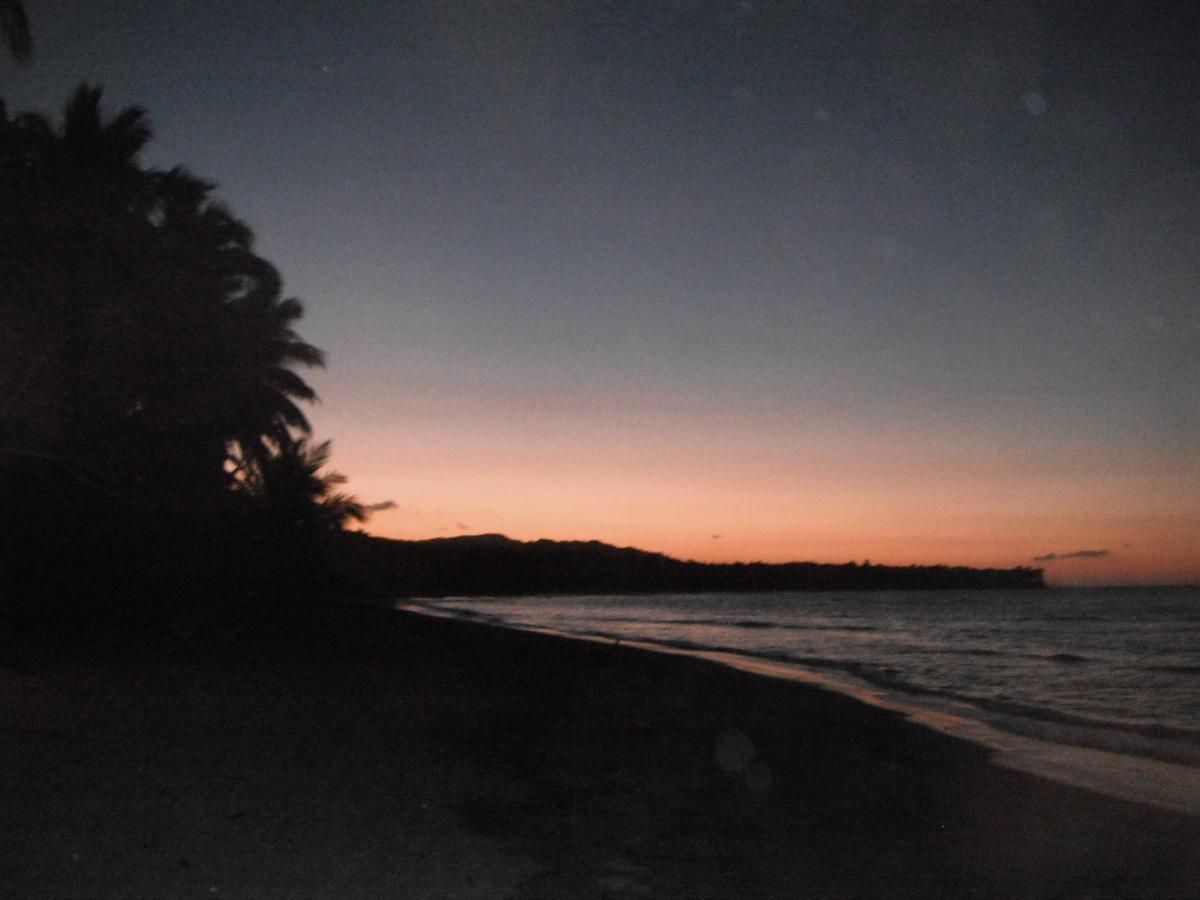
[907, 281]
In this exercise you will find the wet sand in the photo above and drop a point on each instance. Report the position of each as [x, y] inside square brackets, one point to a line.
[374, 753]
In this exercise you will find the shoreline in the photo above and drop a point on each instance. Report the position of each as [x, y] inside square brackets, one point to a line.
[375, 752]
[1141, 778]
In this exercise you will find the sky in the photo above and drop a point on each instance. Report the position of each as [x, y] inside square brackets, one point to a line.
[911, 282]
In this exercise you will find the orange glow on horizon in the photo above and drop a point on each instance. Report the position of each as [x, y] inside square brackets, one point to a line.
[708, 485]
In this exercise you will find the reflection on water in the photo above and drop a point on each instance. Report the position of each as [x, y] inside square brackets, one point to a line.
[1124, 662]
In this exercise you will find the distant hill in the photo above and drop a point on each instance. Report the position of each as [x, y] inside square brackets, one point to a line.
[494, 565]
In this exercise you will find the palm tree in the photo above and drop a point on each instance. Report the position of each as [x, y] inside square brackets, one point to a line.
[64, 195]
[267, 414]
[153, 343]
[150, 405]
[290, 486]
[241, 345]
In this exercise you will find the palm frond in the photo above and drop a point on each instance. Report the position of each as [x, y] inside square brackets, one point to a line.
[81, 118]
[290, 309]
[302, 353]
[14, 25]
[289, 413]
[345, 506]
[289, 383]
[129, 132]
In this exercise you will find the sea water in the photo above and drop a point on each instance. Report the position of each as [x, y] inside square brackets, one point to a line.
[1088, 684]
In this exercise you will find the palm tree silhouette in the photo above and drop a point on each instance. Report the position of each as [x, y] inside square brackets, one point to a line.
[150, 401]
[267, 413]
[64, 191]
[151, 342]
[291, 488]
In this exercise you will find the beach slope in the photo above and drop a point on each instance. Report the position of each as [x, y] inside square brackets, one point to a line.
[374, 753]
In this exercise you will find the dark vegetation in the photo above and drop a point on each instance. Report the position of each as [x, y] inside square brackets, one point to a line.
[14, 28]
[154, 460]
[492, 564]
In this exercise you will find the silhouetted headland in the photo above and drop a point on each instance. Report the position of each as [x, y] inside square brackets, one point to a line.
[492, 564]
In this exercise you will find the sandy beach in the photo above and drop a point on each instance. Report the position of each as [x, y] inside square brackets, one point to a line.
[373, 753]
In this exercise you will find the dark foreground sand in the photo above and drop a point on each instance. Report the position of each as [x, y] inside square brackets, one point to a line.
[383, 754]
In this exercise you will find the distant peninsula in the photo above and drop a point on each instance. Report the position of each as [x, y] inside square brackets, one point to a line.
[495, 565]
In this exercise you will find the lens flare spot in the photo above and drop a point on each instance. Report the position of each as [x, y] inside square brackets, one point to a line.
[733, 750]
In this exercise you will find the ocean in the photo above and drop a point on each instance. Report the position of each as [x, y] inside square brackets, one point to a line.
[1090, 685]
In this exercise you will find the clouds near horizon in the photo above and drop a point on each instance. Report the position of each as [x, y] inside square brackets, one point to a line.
[1074, 554]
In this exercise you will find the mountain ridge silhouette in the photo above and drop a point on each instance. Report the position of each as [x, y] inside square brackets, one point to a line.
[494, 564]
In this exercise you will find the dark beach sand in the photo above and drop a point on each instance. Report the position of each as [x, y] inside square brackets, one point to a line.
[384, 754]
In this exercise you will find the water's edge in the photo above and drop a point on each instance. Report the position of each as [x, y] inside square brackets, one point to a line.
[1156, 782]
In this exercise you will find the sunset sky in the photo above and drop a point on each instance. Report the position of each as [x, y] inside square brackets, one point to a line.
[913, 282]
